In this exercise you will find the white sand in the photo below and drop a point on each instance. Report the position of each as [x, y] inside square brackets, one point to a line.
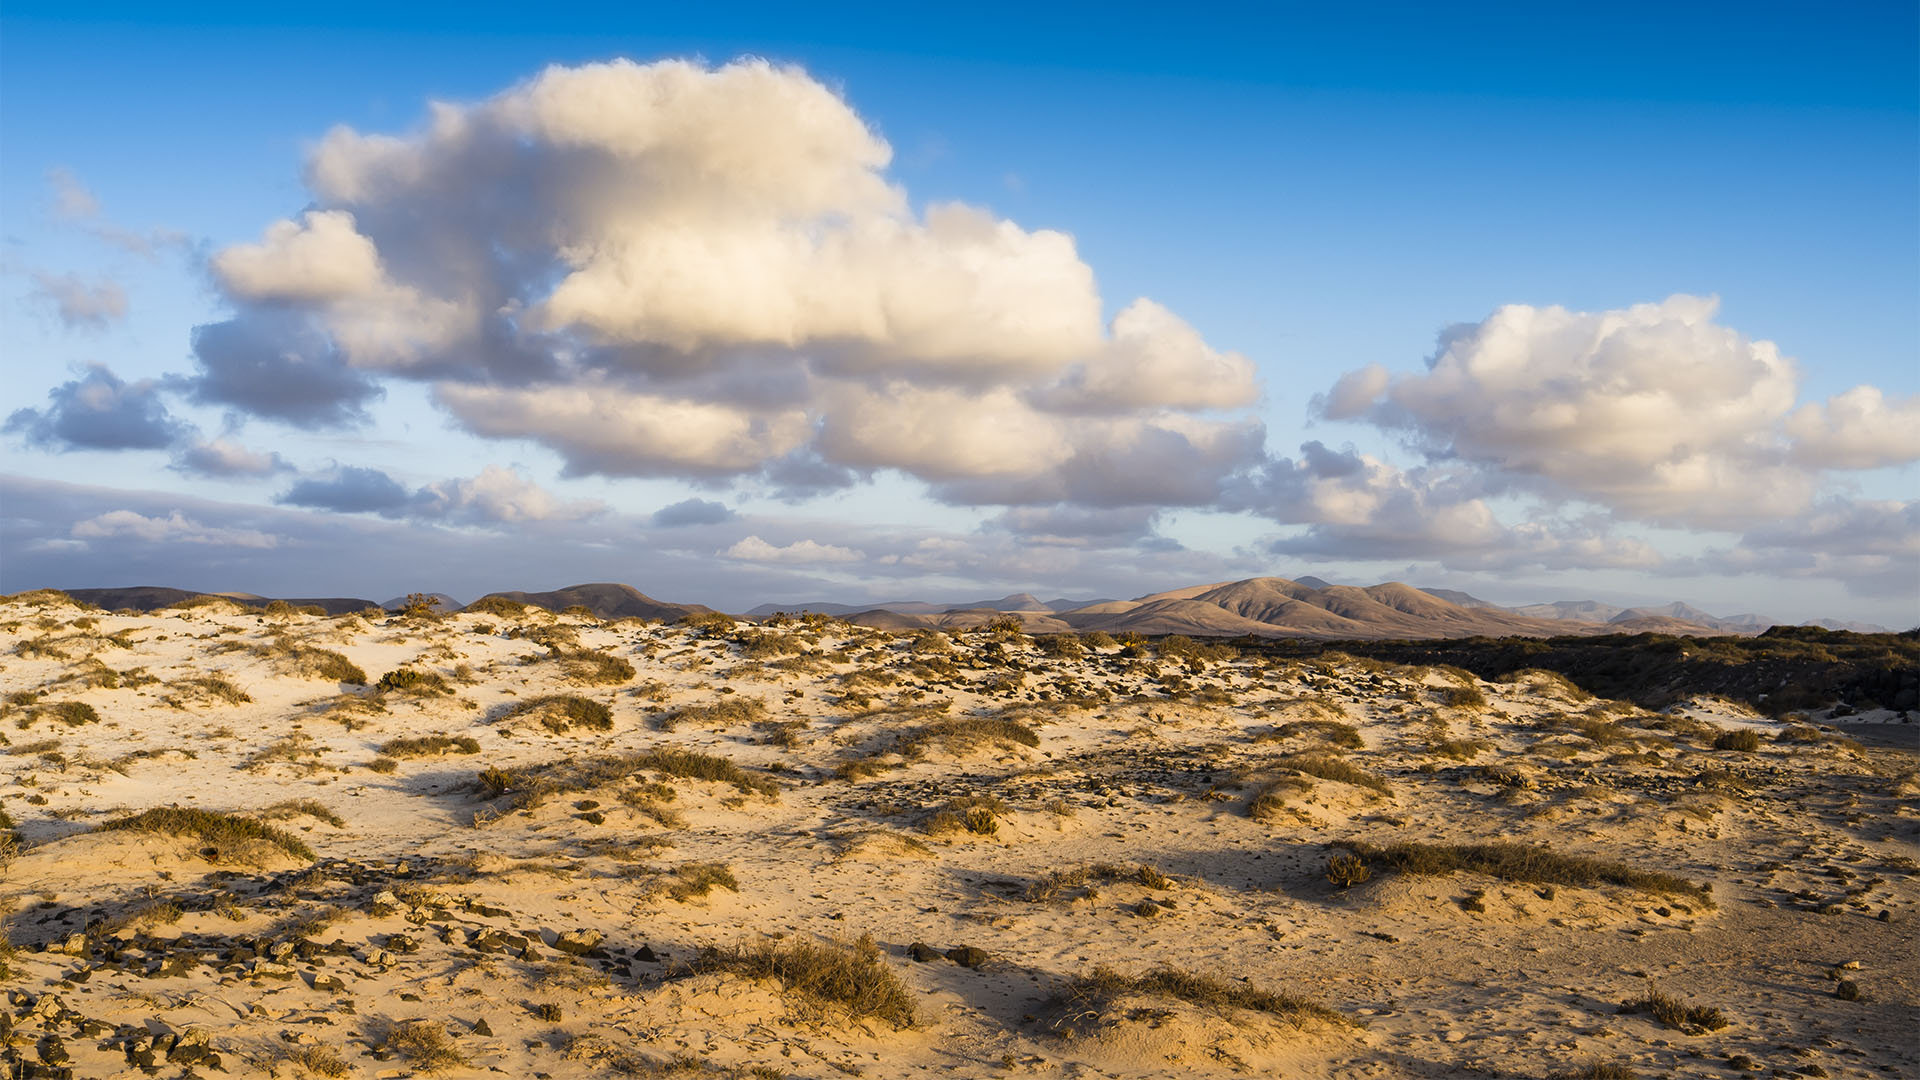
[1804, 845]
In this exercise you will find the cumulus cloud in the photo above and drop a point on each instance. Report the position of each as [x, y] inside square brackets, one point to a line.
[691, 512]
[225, 459]
[270, 364]
[1860, 429]
[754, 549]
[1655, 410]
[175, 528]
[99, 412]
[669, 269]
[82, 304]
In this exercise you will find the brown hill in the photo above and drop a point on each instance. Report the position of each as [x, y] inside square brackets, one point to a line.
[605, 600]
[1278, 607]
[154, 597]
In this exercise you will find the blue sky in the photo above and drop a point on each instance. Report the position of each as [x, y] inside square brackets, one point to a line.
[1310, 192]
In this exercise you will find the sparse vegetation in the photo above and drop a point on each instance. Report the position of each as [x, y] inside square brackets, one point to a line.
[1094, 995]
[430, 746]
[561, 713]
[532, 785]
[1084, 878]
[1745, 740]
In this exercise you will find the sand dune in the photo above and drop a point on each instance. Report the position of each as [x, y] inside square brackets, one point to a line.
[512, 841]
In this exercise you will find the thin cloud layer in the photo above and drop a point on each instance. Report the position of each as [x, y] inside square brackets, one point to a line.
[175, 528]
[79, 303]
[674, 270]
[496, 496]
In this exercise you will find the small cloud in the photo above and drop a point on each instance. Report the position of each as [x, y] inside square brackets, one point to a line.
[754, 549]
[691, 512]
[71, 199]
[496, 496]
[348, 489]
[221, 458]
[82, 305]
[175, 528]
[99, 412]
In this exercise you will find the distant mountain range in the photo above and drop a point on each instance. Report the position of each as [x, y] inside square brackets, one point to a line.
[150, 597]
[1265, 606]
[1305, 607]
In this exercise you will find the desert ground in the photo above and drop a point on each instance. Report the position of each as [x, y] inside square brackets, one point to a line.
[516, 842]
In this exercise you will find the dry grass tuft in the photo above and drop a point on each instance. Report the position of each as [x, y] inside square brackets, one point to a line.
[426, 1045]
[1057, 882]
[1094, 995]
[827, 978]
[1677, 1014]
[1518, 862]
[226, 837]
[430, 746]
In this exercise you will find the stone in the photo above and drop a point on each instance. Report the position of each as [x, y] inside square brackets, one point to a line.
[967, 956]
[481, 1027]
[922, 952]
[579, 942]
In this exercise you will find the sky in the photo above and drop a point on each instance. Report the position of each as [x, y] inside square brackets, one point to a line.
[776, 303]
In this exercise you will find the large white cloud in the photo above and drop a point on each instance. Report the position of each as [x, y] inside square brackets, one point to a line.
[674, 269]
[1655, 411]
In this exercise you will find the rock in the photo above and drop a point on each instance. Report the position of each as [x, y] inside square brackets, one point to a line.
[481, 1027]
[646, 955]
[579, 942]
[53, 1051]
[331, 984]
[967, 956]
[1851, 965]
[922, 952]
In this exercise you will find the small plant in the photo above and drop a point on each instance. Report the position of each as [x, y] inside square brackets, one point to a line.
[1745, 740]
[694, 880]
[1676, 1014]
[1345, 871]
[383, 765]
[320, 1060]
[413, 681]
[426, 1044]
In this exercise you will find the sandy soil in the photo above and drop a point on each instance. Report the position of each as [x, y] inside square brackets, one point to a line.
[1002, 820]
